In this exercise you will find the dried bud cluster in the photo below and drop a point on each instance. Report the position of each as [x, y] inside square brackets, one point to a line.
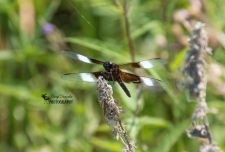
[194, 61]
[210, 148]
[194, 70]
[112, 113]
[109, 105]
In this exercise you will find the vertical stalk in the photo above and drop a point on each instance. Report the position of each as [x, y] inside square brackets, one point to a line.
[127, 26]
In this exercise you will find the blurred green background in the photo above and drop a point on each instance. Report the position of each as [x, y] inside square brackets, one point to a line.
[32, 33]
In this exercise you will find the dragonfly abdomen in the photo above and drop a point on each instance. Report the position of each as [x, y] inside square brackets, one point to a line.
[124, 88]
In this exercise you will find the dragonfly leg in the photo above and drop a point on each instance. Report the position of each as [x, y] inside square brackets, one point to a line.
[108, 75]
[112, 79]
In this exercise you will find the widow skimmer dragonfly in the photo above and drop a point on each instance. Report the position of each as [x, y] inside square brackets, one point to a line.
[113, 73]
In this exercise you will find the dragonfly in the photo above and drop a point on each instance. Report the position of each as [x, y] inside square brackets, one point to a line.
[113, 71]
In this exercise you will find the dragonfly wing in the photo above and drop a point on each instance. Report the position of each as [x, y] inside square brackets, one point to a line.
[145, 64]
[81, 57]
[129, 77]
[152, 82]
[132, 78]
[87, 77]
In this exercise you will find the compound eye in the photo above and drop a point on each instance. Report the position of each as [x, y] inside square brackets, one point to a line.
[107, 66]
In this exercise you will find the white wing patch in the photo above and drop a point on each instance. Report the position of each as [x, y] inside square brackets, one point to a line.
[83, 58]
[147, 81]
[146, 64]
[87, 77]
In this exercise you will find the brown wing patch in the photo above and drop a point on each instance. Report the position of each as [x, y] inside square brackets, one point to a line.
[96, 61]
[146, 64]
[128, 77]
[130, 65]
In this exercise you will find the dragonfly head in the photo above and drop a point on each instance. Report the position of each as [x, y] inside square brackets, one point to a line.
[107, 66]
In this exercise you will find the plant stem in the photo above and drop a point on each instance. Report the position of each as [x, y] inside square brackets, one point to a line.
[130, 42]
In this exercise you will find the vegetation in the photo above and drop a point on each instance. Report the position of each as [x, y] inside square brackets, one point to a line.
[32, 34]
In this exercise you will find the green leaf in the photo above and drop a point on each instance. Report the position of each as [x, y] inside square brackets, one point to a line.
[107, 144]
[138, 31]
[102, 47]
[172, 137]
[175, 64]
[23, 93]
[20, 92]
[53, 6]
[146, 120]
[6, 54]
[153, 121]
